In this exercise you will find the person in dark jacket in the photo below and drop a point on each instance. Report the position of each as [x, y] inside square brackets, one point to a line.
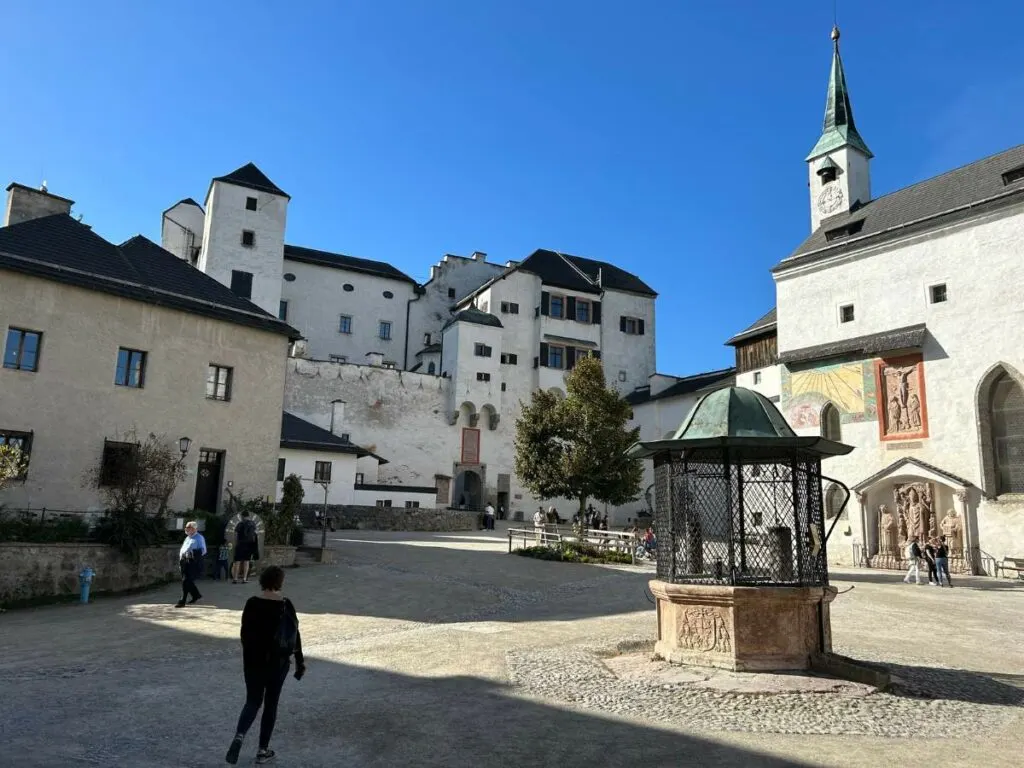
[270, 637]
[247, 548]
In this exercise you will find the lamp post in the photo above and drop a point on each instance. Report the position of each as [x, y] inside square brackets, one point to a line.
[184, 443]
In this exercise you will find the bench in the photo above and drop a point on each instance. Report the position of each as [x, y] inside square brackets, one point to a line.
[1011, 564]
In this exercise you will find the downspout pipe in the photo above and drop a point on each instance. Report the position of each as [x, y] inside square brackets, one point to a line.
[420, 291]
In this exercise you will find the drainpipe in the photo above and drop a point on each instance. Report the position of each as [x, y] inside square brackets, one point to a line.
[420, 291]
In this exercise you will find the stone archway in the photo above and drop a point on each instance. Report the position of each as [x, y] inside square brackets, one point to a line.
[468, 491]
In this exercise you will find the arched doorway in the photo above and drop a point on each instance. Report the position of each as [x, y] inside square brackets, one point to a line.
[468, 491]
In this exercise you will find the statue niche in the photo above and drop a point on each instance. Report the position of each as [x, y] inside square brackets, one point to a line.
[914, 508]
[901, 400]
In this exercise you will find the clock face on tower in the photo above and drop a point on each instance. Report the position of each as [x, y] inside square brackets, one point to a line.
[830, 199]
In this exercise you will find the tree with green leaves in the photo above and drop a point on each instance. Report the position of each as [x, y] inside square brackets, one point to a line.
[12, 464]
[575, 448]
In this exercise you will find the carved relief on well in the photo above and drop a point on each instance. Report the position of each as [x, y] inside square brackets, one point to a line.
[703, 629]
[903, 411]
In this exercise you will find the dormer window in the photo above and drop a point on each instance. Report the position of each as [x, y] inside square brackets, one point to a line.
[828, 171]
[1013, 175]
[844, 231]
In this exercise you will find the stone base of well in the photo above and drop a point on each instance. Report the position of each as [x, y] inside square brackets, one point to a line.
[745, 629]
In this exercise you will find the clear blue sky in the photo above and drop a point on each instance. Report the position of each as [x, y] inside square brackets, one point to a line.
[664, 136]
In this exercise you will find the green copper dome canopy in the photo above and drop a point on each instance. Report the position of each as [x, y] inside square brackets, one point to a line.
[738, 418]
[838, 129]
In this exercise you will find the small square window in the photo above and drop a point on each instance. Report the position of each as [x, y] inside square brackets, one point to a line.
[937, 293]
[388, 364]
[451, 293]
[344, 437]
[412, 505]
[282, 310]
[248, 238]
[509, 308]
[241, 283]
[483, 377]
[582, 311]
[322, 472]
[556, 306]
[337, 358]
[359, 478]
[384, 331]
[510, 358]
[383, 503]
[503, 386]
[757, 377]
[556, 357]
[846, 313]
[622, 375]
[218, 383]
[131, 368]
[426, 339]
[280, 469]
[482, 350]
[22, 350]
[345, 324]
[250, 203]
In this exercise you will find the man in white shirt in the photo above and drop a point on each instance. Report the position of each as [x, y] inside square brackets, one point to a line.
[489, 517]
[190, 560]
[538, 524]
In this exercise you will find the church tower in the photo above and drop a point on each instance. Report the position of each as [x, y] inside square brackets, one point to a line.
[839, 165]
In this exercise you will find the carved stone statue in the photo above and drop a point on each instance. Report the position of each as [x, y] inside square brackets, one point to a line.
[917, 511]
[952, 529]
[915, 412]
[888, 541]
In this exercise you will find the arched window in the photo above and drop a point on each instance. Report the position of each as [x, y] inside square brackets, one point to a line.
[431, 368]
[834, 498]
[1007, 420]
[831, 428]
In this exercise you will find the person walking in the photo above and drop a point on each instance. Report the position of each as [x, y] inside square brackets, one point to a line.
[489, 517]
[247, 548]
[942, 562]
[929, 559]
[190, 563]
[270, 637]
[538, 524]
[913, 553]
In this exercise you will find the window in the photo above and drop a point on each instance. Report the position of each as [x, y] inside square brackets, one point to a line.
[582, 311]
[432, 368]
[282, 310]
[131, 368]
[622, 375]
[831, 426]
[248, 238]
[509, 308]
[557, 306]
[632, 326]
[426, 339]
[280, 470]
[250, 203]
[503, 386]
[483, 377]
[412, 505]
[482, 350]
[844, 231]
[241, 283]
[23, 442]
[1014, 174]
[388, 364]
[556, 356]
[757, 377]
[846, 313]
[384, 503]
[385, 330]
[1008, 434]
[337, 358]
[451, 293]
[834, 498]
[937, 293]
[344, 324]
[510, 359]
[359, 478]
[388, 295]
[193, 257]
[218, 383]
[345, 437]
[22, 350]
[322, 472]
[348, 288]
[118, 462]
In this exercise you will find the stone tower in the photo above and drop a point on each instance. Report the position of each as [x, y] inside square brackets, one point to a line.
[839, 165]
[243, 235]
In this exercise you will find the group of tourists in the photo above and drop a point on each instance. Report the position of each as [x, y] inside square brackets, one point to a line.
[936, 557]
[270, 629]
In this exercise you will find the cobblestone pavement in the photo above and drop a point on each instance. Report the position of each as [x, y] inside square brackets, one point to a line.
[442, 650]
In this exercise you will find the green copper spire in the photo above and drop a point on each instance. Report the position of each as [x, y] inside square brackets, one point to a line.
[838, 128]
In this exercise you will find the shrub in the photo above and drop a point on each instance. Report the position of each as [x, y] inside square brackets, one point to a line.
[60, 529]
[130, 530]
[571, 552]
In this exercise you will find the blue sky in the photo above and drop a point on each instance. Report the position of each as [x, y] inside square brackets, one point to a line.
[665, 137]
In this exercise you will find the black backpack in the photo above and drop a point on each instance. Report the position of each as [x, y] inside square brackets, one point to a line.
[247, 532]
[287, 635]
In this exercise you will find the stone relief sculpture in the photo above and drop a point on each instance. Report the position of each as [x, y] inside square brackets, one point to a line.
[901, 397]
[953, 529]
[703, 629]
[888, 533]
[914, 508]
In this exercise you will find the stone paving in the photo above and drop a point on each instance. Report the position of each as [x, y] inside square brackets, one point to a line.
[442, 650]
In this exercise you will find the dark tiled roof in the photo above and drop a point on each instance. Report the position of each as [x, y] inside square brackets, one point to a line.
[553, 269]
[341, 261]
[299, 434]
[251, 177]
[869, 481]
[763, 325]
[687, 385]
[429, 349]
[184, 201]
[911, 337]
[59, 248]
[952, 196]
[475, 316]
[609, 276]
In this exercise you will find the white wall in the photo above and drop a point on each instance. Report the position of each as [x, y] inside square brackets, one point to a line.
[182, 229]
[226, 218]
[854, 182]
[769, 385]
[624, 352]
[303, 463]
[462, 338]
[317, 300]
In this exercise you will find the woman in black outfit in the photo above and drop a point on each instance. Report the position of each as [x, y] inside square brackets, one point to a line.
[270, 636]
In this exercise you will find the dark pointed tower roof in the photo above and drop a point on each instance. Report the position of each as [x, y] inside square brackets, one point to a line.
[838, 128]
[251, 177]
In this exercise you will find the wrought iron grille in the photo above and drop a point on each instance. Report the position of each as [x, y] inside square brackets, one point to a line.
[723, 517]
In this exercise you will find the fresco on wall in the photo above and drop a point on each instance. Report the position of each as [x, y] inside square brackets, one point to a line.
[848, 385]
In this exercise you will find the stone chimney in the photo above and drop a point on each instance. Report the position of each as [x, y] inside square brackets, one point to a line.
[478, 256]
[25, 204]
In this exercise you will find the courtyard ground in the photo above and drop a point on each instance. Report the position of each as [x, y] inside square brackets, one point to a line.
[442, 650]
